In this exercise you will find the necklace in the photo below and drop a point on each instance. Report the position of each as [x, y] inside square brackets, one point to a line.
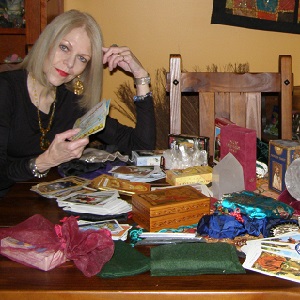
[44, 142]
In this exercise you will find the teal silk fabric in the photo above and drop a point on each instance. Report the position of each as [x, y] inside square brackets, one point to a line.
[255, 205]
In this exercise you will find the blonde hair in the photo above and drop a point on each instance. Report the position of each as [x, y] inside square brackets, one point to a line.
[50, 39]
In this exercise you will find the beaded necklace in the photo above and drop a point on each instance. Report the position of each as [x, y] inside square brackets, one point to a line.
[44, 143]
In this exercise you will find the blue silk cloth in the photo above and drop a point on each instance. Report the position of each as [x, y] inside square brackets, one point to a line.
[255, 205]
[227, 226]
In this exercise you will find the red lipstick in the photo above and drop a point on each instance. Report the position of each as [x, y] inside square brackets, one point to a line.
[62, 73]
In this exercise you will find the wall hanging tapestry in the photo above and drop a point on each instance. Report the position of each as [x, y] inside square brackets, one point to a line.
[271, 15]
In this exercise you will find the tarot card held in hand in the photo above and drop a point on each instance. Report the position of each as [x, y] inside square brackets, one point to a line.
[93, 121]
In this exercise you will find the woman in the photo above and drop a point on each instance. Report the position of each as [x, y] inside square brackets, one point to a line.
[58, 81]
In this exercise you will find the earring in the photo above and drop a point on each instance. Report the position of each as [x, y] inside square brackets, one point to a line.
[78, 86]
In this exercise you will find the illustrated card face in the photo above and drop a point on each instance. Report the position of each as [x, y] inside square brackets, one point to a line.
[118, 231]
[93, 121]
[275, 265]
[287, 238]
[135, 171]
[60, 186]
[112, 225]
[87, 199]
[106, 182]
[91, 199]
[292, 253]
[283, 246]
[276, 256]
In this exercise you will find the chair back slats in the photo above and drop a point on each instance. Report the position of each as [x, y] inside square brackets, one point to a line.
[238, 108]
[285, 70]
[237, 97]
[223, 108]
[253, 112]
[206, 115]
[175, 94]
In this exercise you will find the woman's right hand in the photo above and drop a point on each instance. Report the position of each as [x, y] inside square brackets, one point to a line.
[122, 57]
[61, 150]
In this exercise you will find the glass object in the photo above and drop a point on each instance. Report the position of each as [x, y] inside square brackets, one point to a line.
[292, 179]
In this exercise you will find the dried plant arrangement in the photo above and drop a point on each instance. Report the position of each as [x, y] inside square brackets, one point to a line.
[125, 94]
[234, 68]
[126, 106]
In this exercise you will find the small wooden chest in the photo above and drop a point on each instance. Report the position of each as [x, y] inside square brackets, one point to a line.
[169, 207]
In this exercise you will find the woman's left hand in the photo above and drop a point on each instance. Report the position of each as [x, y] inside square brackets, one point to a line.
[122, 57]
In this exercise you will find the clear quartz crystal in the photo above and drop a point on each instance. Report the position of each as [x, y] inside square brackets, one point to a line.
[227, 177]
[292, 179]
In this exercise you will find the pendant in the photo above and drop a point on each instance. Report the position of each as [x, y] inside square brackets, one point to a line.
[44, 143]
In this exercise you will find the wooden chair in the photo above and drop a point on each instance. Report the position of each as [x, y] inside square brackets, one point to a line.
[235, 96]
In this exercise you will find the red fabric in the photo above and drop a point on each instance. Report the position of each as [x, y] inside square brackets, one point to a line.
[286, 198]
[36, 230]
[241, 142]
[89, 250]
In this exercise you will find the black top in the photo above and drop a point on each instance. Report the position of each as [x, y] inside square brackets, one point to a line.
[20, 133]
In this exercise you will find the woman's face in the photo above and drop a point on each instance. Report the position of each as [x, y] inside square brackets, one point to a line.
[69, 59]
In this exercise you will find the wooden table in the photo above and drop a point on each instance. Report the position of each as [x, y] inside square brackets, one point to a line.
[67, 282]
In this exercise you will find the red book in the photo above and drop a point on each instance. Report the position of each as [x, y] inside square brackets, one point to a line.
[219, 123]
[241, 142]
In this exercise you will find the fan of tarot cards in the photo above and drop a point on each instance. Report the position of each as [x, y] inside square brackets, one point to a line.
[93, 121]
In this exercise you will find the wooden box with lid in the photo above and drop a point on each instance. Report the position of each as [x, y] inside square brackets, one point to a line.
[169, 207]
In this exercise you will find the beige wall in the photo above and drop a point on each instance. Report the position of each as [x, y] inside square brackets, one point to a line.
[155, 28]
